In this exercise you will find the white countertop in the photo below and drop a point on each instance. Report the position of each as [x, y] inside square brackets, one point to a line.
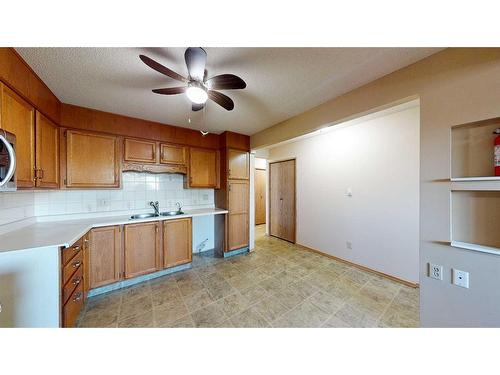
[67, 232]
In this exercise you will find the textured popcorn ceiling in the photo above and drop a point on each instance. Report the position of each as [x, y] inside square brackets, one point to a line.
[281, 82]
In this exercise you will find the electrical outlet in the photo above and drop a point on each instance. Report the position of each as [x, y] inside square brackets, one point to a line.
[348, 244]
[436, 271]
[461, 278]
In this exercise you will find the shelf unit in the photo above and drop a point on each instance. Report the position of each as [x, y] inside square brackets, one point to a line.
[474, 190]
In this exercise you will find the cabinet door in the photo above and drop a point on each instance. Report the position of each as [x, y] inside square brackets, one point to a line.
[105, 255]
[177, 242]
[173, 154]
[203, 168]
[18, 117]
[238, 165]
[139, 151]
[142, 249]
[238, 203]
[47, 152]
[92, 160]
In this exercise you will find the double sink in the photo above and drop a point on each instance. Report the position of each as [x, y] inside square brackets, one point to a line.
[146, 216]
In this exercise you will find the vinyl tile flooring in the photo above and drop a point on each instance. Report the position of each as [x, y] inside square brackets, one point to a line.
[277, 285]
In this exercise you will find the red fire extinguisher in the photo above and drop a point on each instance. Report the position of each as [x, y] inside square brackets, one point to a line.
[497, 152]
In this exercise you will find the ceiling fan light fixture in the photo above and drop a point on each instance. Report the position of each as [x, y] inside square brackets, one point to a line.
[197, 94]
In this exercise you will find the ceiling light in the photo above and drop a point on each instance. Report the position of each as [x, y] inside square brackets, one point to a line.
[196, 94]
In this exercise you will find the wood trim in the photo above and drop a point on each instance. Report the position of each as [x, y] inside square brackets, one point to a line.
[294, 200]
[149, 168]
[364, 268]
[20, 78]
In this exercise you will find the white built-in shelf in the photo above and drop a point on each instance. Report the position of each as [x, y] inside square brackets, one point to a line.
[476, 247]
[465, 179]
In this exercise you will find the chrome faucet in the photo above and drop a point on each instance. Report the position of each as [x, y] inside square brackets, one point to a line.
[156, 207]
[179, 206]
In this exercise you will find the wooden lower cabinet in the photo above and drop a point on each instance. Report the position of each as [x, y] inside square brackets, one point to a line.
[105, 256]
[177, 242]
[238, 216]
[72, 283]
[141, 248]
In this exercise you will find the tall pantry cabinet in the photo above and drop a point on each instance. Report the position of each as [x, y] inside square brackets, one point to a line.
[234, 192]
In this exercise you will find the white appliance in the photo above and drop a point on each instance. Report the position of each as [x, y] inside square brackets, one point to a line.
[8, 180]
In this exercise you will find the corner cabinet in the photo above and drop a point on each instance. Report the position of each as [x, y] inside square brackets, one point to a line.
[92, 160]
[105, 256]
[204, 168]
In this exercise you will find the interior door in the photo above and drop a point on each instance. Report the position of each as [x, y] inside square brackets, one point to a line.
[282, 199]
[260, 196]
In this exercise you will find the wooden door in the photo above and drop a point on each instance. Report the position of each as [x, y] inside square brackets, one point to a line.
[18, 117]
[139, 151]
[47, 152]
[282, 199]
[142, 248]
[238, 165]
[260, 196]
[177, 242]
[105, 256]
[92, 160]
[238, 203]
[203, 168]
[173, 154]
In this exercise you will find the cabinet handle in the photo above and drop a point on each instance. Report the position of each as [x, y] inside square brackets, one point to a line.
[78, 297]
[77, 281]
[77, 264]
[41, 174]
[76, 248]
[229, 172]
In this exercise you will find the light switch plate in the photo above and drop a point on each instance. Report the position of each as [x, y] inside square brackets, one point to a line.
[461, 278]
[435, 271]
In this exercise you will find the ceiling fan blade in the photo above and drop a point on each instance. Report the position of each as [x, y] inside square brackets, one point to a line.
[170, 90]
[226, 82]
[221, 99]
[161, 69]
[196, 107]
[196, 59]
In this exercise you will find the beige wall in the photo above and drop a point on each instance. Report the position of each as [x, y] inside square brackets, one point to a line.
[455, 86]
[353, 157]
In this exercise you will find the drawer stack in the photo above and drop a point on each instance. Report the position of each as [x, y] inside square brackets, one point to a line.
[72, 282]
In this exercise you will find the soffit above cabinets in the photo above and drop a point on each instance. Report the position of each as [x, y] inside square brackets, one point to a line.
[281, 82]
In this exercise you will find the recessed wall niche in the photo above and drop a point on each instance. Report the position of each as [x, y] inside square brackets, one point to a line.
[472, 150]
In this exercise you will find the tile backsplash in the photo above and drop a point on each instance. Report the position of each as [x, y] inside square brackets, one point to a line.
[137, 190]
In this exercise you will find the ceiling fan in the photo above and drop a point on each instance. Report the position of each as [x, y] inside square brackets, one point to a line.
[198, 88]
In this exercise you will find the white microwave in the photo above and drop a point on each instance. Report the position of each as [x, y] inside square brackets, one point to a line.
[8, 180]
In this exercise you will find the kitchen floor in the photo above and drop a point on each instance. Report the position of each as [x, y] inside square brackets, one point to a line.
[278, 285]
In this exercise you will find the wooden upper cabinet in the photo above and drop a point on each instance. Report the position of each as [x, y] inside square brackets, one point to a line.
[238, 164]
[139, 151]
[142, 248]
[104, 255]
[47, 152]
[173, 154]
[203, 168]
[18, 117]
[92, 160]
[177, 242]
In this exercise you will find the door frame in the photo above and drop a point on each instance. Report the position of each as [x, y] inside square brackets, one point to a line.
[265, 191]
[294, 159]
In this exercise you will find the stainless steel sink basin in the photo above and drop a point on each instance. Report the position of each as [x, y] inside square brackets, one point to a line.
[142, 216]
[172, 213]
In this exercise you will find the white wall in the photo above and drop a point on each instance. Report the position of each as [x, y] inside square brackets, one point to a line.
[378, 159]
[137, 190]
[29, 288]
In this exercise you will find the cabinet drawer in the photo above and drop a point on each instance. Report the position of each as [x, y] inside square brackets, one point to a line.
[72, 284]
[70, 252]
[73, 306]
[73, 265]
